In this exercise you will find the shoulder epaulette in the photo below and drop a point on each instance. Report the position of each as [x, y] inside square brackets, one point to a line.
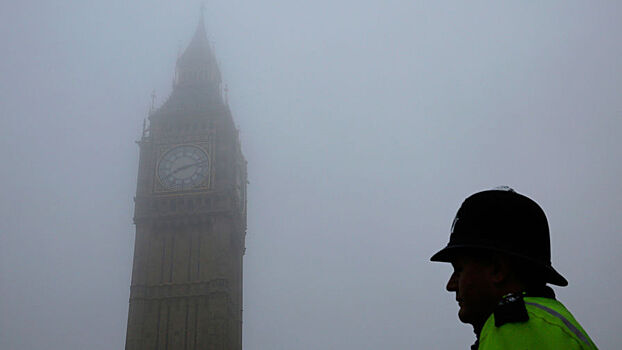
[511, 309]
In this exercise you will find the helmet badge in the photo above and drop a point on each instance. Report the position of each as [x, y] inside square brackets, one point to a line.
[453, 224]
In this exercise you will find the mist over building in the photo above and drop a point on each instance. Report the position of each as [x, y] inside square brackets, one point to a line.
[364, 124]
[190, 216]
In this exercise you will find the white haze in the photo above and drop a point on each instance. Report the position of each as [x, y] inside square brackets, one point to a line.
[365, 124]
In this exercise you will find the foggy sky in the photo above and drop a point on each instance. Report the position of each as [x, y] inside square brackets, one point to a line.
[365, 124]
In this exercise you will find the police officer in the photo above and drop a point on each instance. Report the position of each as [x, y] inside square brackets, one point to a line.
[500, 251]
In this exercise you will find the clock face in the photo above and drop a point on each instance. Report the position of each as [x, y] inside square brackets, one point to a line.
[183, 167]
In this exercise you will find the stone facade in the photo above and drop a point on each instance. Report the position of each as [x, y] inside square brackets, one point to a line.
[190, 216]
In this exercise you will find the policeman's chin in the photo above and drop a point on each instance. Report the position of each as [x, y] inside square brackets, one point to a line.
[463, 315]
[474, 318]
[466, 316]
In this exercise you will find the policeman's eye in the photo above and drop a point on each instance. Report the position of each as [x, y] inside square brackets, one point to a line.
[457, 268]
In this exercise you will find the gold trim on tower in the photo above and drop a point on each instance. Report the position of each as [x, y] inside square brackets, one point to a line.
[185, 169]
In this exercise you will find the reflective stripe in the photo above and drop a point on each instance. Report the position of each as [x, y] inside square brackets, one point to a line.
[568, 324]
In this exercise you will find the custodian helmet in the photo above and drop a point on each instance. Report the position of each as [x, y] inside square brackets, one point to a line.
[502, 220]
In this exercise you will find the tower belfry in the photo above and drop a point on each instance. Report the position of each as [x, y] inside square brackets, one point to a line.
[190, 216]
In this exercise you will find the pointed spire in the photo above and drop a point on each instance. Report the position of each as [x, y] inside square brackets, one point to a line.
[200, 34]
[202, 18]
[197, 64]
[197, 83]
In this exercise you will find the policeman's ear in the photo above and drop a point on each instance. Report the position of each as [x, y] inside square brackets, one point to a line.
[501, 269]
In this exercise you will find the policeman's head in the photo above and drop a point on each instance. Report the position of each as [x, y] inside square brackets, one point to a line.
[499, 244]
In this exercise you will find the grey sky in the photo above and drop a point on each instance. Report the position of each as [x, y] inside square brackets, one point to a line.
[365, 124]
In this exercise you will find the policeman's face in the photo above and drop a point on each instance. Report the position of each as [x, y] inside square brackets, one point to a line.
[475, 292]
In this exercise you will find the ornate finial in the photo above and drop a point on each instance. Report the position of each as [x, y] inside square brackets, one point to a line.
[504, 188]
[144, 127]
[153, 98]
[202, 16]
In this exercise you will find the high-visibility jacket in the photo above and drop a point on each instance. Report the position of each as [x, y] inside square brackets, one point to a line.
[550, 326]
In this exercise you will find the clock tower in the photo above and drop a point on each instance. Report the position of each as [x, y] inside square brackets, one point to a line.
[190, 216]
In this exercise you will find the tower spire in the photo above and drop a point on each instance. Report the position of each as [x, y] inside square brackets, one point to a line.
[197, 64]
[202, 16]
[202, 11]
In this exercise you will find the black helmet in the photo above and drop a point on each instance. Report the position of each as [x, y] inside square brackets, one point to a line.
[504, 221]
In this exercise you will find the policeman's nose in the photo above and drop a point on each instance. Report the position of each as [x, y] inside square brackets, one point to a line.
[452, 284]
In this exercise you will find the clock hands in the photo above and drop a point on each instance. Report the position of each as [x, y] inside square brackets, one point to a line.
[173, 172]
[183, 167]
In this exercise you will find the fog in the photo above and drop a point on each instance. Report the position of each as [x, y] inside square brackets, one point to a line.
[364, 123]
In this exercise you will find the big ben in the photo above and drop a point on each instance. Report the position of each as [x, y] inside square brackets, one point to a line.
[190, 216]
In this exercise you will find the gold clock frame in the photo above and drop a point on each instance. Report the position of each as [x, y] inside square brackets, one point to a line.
[162, 149]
